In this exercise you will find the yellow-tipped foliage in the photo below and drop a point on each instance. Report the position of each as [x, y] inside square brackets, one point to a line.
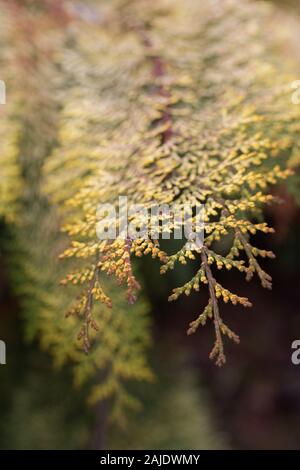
[164, 108]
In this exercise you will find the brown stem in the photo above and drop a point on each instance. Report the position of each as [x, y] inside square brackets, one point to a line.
[265, 278]
[218, 349]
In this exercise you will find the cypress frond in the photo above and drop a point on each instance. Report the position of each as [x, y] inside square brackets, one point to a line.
[119, 339]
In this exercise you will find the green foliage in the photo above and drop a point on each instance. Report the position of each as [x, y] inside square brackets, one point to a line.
[9, 174]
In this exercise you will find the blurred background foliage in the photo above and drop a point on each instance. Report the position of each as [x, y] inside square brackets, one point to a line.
[253, 402]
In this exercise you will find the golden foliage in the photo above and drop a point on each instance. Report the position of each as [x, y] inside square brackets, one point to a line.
[119, 338]
[163, 107]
